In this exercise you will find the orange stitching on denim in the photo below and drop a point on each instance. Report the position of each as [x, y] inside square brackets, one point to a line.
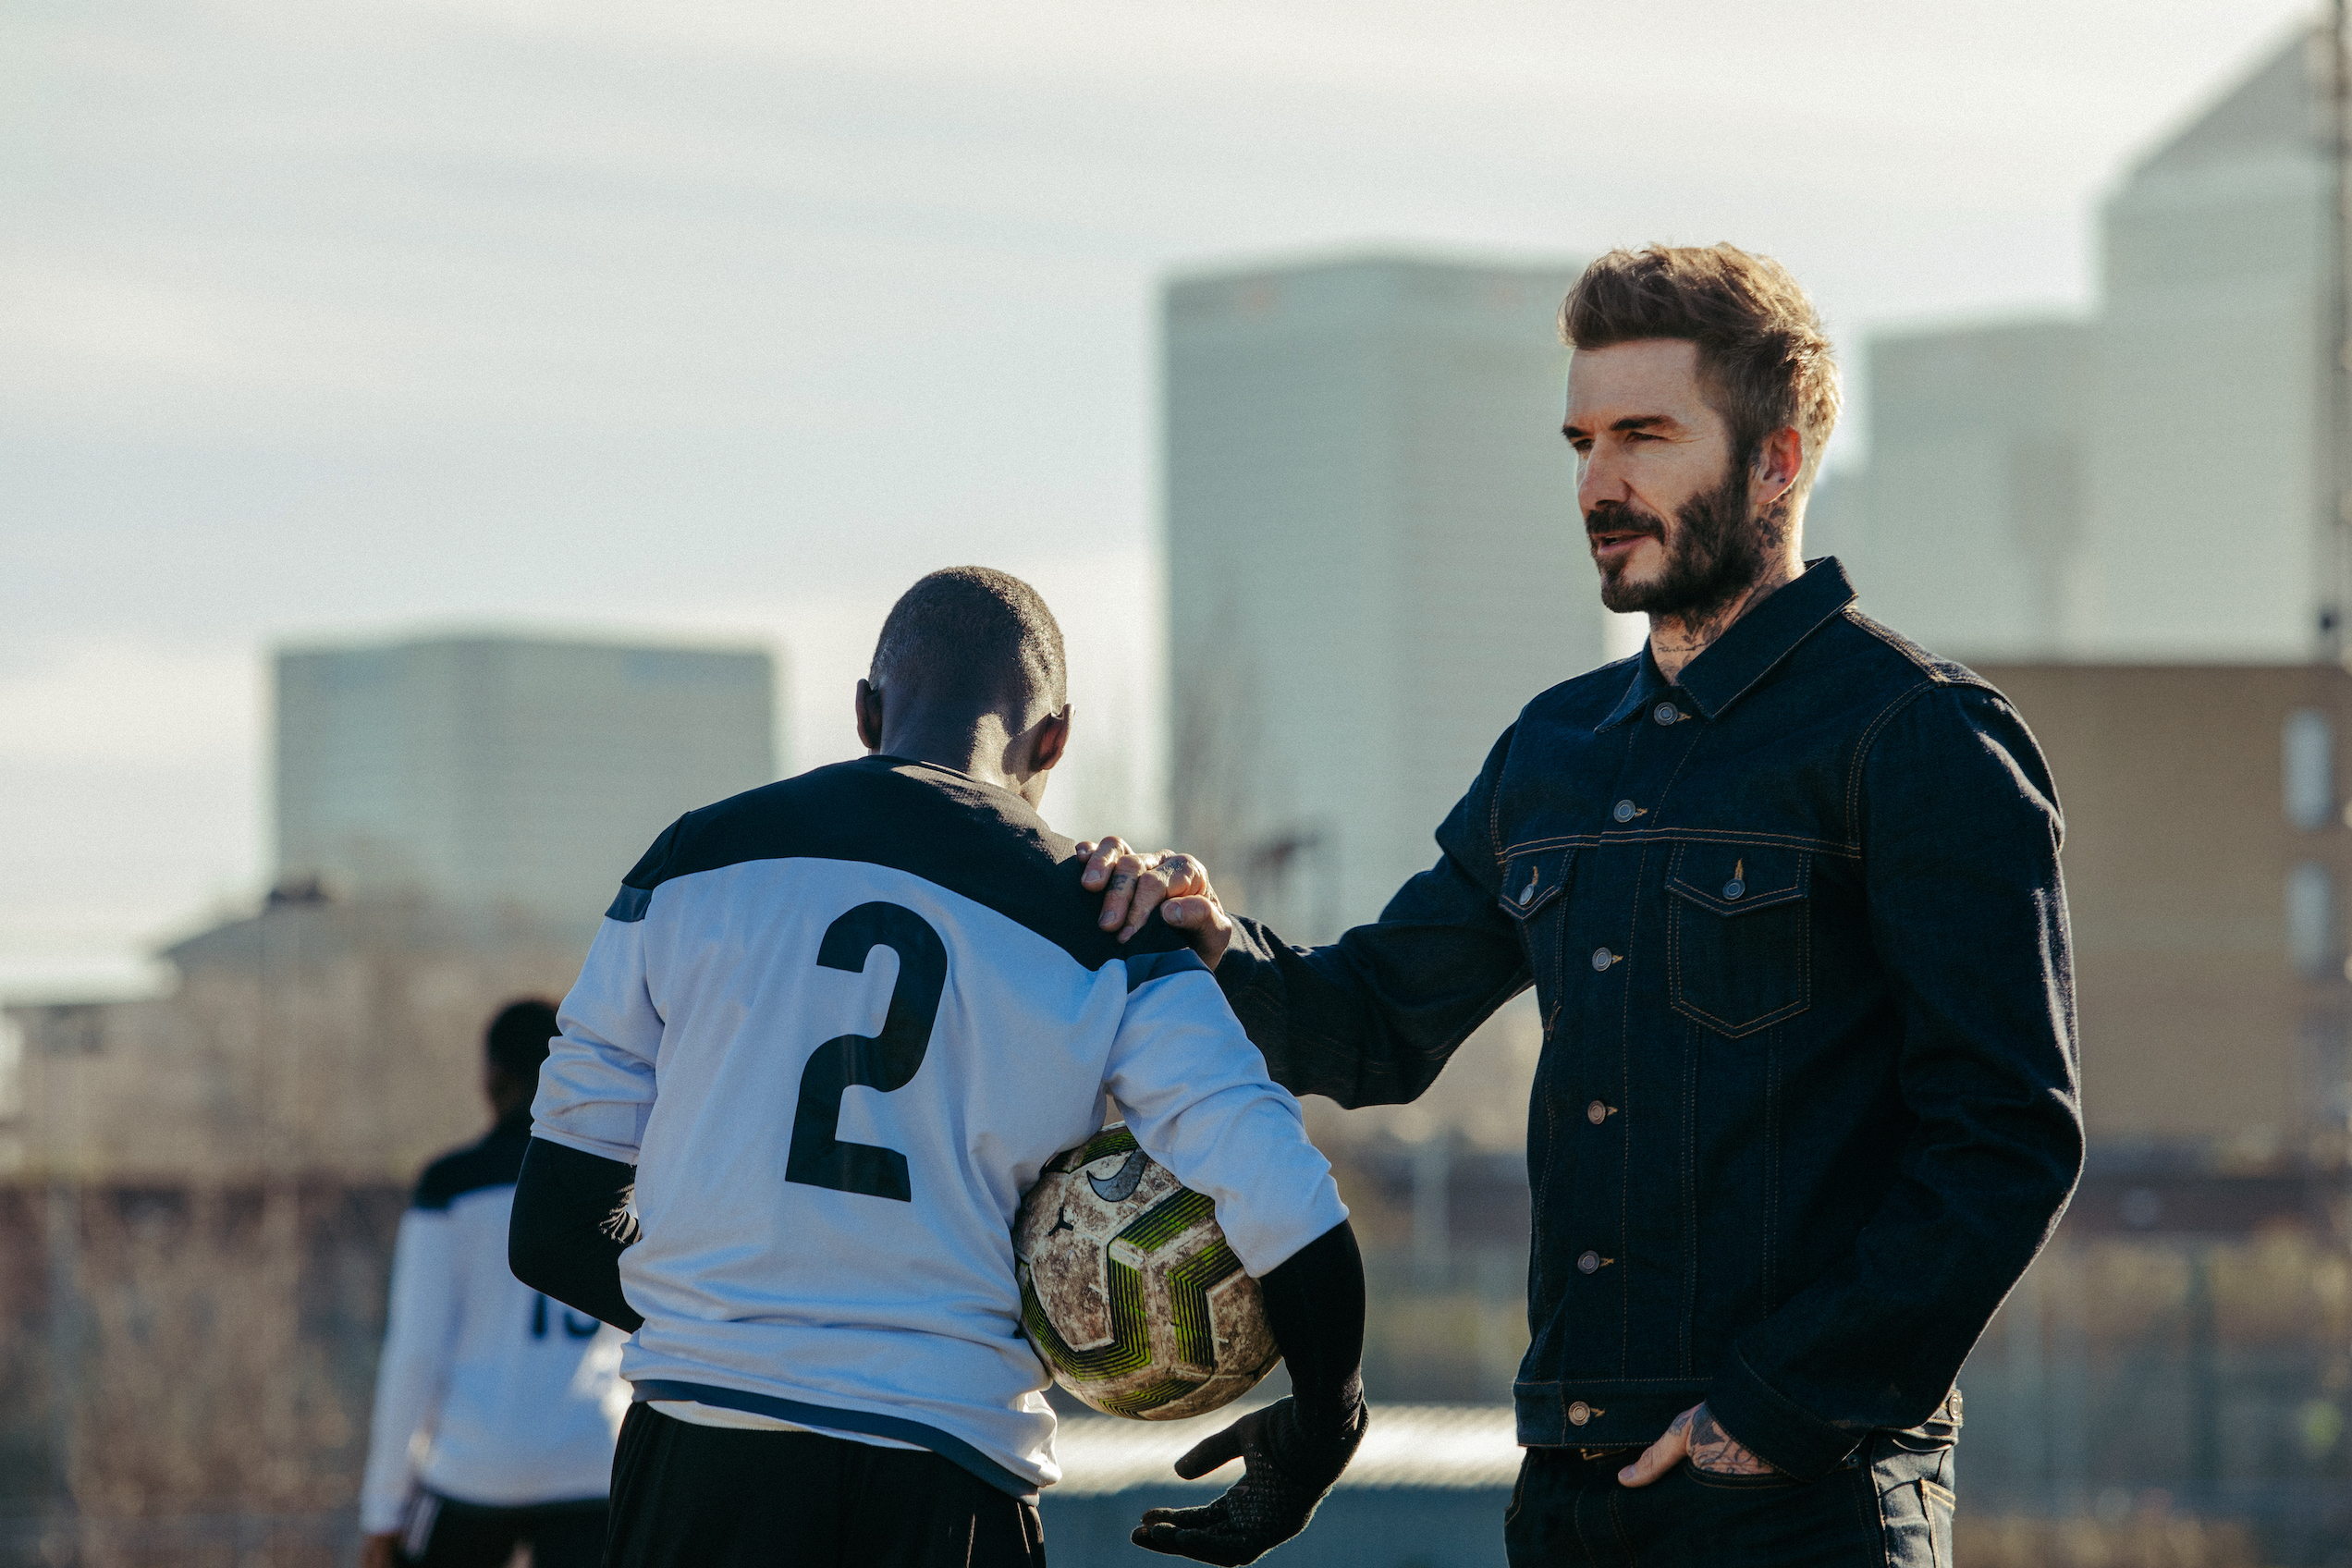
[1749, 902]
[1698, 1014]
[1690, 1010]
[1679, 762]
[1494, 819]
[1689, 1174]
[1862, 754]
[1696, 1385]
[1625, 1141]
[1560, 936]
[1771, 1161]
[1692, 835]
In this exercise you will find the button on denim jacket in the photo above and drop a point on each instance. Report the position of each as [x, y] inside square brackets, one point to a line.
[1806, 1105]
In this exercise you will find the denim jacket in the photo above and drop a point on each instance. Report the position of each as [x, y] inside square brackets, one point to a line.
[1806, 1105]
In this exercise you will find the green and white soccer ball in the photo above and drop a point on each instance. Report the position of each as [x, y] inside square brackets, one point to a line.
[1128, 1289]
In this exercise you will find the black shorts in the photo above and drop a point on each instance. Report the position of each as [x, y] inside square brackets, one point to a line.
[717, 1497]
[441, 1532]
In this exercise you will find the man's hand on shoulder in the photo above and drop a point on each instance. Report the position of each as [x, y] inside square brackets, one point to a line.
[1699, 1437]
[1133, 882]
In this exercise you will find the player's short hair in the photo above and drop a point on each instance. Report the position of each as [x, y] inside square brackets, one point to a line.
[1763, 359]
[518, 1037]
[974, 635]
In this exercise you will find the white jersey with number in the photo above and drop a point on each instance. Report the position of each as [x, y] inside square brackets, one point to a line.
[487, 1391]
[837, 1024]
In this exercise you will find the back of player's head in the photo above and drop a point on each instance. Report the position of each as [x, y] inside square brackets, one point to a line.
[518, 1038]
[974, 638]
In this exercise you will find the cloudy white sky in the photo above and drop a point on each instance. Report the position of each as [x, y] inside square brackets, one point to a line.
[721, 320]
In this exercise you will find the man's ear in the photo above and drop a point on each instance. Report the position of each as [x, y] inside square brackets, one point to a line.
[869, 716]
[1049, 739]
[1778, 461]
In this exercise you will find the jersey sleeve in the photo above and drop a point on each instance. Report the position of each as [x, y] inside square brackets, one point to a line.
[596, 1087]
[420, 1341]
[1196, 1096]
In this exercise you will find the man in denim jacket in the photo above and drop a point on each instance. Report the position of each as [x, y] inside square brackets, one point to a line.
[1787, 887]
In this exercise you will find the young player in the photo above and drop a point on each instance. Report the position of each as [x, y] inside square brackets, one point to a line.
[513, 1400]
[830, 1030]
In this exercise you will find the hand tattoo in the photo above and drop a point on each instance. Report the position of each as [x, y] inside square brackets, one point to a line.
[1715, 1451]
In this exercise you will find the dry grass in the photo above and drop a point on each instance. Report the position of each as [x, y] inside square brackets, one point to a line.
[2147, 1541]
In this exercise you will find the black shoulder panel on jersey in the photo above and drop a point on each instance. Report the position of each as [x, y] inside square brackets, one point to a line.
[971, 838]
[1145, 968]
[494, 1161]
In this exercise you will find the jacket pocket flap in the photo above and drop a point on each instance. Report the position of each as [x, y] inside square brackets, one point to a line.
[1734, 879]
[1532, 881]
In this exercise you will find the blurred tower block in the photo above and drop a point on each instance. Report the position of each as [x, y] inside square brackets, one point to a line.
[2209, 531]
[2149, 486]
[505, 772]
[1974, 507]
[1374, 562]
[453, 817]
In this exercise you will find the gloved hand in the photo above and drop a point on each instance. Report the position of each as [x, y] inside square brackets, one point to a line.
[1287, 1471]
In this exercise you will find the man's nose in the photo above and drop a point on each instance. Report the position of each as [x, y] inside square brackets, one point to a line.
[1600, 479]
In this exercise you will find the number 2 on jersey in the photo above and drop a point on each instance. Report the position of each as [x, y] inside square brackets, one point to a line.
[884, 1061]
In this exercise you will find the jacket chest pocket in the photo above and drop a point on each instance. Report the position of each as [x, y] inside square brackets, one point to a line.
[1535, 895]
[1740, 935]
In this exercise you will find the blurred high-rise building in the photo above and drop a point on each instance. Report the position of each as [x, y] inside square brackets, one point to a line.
[1374, 562]
[505, 772]
[1972, 513]
[2151, 485]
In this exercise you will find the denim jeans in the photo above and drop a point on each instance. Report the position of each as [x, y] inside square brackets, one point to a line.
[1888, 1502]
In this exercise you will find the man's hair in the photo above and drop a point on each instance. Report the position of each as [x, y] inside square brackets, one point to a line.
[518, 1035]
[1763, 360]
[975, 636]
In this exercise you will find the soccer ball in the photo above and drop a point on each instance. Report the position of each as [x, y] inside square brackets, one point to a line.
[1128, 1291]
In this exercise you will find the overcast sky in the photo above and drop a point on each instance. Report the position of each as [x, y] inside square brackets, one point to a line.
[359, 316]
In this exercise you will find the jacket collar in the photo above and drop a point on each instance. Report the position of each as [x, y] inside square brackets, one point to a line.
[1746, 653]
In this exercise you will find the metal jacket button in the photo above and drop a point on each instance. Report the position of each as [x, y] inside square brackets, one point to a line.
[1596, 1113]
[1579, 1413]
[1589, 1263]
[1526, 894]
[1603, 958]
[1665, 713]
[1624, 811]
[1731, 889]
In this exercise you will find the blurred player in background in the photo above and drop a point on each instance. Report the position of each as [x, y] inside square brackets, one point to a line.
[495, 1408]
[828, 1033]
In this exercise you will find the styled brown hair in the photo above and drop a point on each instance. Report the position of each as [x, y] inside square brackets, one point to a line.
[1763, 360]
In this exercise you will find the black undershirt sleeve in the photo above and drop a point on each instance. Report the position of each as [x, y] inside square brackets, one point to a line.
[1315, 1307]
[571, 1224]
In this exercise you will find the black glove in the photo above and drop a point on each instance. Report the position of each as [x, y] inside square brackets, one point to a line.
[1287, 1471]
[570, 1225]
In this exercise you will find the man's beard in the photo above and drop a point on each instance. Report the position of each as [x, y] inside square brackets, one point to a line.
[1714, 552]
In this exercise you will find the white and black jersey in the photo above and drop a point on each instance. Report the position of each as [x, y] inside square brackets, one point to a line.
[487, 1391]
[837, 1024]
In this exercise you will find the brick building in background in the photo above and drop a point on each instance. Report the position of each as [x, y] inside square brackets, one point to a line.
[2206, 856]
